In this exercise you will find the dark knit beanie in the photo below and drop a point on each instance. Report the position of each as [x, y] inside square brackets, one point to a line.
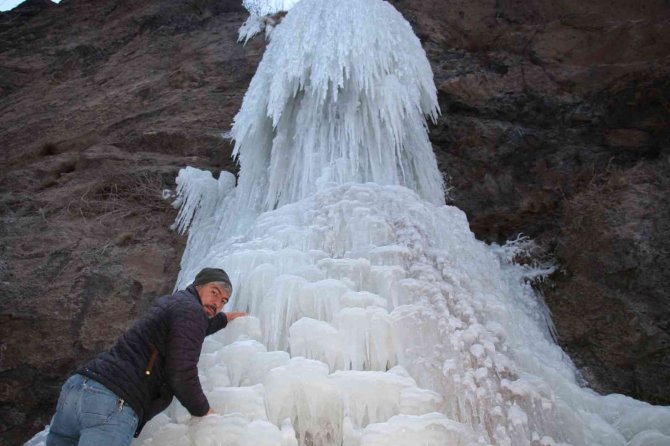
[208, 275]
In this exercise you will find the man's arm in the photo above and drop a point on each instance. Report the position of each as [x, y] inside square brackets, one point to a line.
[221, 320]
[217, 323]
[187, 332]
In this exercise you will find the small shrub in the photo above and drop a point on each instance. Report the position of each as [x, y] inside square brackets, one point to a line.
[125, 238]
[123, 196]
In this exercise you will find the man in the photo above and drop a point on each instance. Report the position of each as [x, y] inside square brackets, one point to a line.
[114, 395]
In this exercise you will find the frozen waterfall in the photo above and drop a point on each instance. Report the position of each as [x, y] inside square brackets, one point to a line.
[376, 318]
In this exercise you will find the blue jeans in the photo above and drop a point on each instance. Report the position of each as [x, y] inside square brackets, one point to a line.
[89, 414]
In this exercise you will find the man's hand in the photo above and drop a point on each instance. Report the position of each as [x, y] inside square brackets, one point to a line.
[234, 315]
[210, 412]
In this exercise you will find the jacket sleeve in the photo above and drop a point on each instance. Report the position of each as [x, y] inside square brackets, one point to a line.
[188, 325]
[217, 323]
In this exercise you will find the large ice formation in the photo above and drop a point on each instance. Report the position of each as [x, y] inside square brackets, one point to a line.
[376, 318]
[339, 96]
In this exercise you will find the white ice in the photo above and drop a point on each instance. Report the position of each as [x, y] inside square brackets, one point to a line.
[375, 316]
[415, 334]
[264, 7]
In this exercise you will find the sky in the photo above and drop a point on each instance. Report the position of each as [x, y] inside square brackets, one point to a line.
[6, 5]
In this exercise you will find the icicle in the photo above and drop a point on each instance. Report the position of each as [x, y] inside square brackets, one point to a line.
[196, 189]
[314, 114]
[252, 26]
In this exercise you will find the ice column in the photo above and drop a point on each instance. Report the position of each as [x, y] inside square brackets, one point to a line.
[340, 96]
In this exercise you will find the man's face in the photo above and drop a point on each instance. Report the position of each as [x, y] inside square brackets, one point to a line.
[213, 297]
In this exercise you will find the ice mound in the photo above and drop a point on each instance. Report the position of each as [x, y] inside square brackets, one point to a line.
[427, 430]
[424, 331]
[359, 339]
[216, 430]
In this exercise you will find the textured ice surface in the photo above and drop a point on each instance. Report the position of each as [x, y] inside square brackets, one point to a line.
[420, 335]
[376, 318]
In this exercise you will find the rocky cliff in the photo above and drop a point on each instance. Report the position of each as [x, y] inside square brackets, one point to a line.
[554, 124]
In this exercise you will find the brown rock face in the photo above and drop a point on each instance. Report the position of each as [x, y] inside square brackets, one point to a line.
[555, 124]
[101, 104]
[615, 239]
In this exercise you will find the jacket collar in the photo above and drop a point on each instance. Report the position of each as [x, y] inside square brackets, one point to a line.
[190, 290]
